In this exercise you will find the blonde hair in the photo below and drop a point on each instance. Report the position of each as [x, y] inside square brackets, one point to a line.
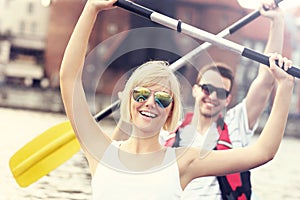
[148, 74]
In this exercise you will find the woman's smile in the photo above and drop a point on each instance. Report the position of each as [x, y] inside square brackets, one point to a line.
[148, 114]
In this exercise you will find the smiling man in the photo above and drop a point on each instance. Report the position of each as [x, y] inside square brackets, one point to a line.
[219, 128]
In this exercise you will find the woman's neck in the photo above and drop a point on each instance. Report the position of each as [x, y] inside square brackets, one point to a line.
[138, 145]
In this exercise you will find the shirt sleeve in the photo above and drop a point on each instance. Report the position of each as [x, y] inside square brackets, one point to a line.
[237, 120]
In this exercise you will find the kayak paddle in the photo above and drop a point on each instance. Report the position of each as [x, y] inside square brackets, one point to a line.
[197, 33]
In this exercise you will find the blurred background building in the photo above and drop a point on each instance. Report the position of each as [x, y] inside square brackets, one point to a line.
[34, 34]
[23, 33]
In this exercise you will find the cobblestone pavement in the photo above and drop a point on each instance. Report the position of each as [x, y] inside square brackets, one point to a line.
[277, 179]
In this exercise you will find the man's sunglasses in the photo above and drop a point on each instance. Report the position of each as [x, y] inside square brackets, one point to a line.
[209, 89]
[141, 94]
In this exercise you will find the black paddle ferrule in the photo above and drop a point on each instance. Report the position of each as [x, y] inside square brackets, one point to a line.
[179, 26]
[248, 19]
[244, 22]
[278, 1]
[107, 111]
[134, 8]
[253, 55]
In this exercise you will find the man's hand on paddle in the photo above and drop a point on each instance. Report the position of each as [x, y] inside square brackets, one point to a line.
[101, 4]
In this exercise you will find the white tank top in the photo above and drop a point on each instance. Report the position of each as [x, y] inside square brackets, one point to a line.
[161, 183]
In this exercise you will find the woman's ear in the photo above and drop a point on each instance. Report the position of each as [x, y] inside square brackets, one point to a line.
[130, 114]
[171, 110]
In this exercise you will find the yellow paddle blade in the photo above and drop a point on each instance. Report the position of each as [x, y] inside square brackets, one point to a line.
[43, 154]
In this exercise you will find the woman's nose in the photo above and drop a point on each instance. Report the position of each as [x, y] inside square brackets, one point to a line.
[151, 101]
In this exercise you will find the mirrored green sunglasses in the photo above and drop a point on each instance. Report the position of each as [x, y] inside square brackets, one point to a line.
[141, 94]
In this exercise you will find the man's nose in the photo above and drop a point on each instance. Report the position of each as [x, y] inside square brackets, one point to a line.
[213, 95]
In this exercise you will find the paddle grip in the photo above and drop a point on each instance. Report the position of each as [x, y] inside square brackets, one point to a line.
[135, 8]
[278, 1]
[107, 111]
[244, 22]
[253, 55]
[248, 19]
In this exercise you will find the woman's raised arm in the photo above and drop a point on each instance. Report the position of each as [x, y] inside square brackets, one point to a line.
[76, 107]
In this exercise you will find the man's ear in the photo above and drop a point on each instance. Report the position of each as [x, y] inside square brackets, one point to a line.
[194, 90]
[228, 100]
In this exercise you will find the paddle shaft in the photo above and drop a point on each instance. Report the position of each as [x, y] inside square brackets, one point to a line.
[248, 18]
[199, 34]
[183, 60]
[107, 111]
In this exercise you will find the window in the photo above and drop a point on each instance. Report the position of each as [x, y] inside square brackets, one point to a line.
[30, 8]
[22, 27]
[33, 27]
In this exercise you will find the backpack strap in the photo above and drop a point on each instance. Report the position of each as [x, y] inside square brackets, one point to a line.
[245, 189]
[235, 186]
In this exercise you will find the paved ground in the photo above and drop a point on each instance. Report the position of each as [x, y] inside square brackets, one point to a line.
[277, 180]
